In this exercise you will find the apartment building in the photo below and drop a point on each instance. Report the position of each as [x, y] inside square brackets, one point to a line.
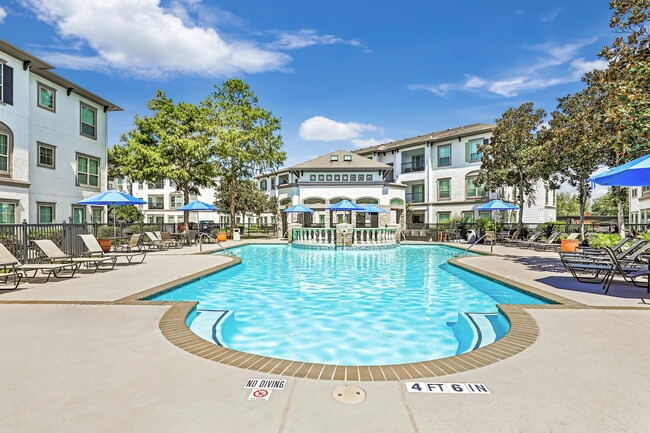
[330, 178]
[53, 143]
[439, 170]
[639, 205]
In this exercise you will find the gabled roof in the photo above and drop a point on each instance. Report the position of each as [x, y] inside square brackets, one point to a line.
[353, 162]
[43, 69]
[462, 131]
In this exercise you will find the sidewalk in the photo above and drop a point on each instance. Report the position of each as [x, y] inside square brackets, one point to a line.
[74, 360]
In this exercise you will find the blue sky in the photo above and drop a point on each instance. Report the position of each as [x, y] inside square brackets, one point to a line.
[339, 74]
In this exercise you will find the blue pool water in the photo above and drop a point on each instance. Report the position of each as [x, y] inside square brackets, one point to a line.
[379, 307]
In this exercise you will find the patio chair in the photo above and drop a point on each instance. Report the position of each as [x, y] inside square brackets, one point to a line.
[50, 269]
[53, 254]
[166, 237]
[594, 267]
[524, 243]
[549, 243]
[93, 249]
[630, 270]
[502, 236]
[7, 271]
[132, 245]
[153, 243]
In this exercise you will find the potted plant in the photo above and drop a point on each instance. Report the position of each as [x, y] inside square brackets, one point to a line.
[104, 234]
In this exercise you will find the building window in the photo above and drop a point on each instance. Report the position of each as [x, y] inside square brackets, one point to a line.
[7, 213]
[484, 215]
[159, 184]
[471, 151]
[328, 177]
[321, 177]
[46, 97]
[347, 157]
[272, 183]
[444, 217]
[88, 121]
[634, 192]
[444, 191]
[337, 177]
[5, 157]
[140, 184]
[87, 171]
[97, 214]
[78, 215]
[353, 177]
[444, 155]
[312, 177]
[369, 177]
[468, 217]
[155, 202]
[176, 201]
[344, 177]
[46, 156]
[334, 157]
[416, 195]
[263, 184]
[474, 191]
[6, 83]
[46, 213]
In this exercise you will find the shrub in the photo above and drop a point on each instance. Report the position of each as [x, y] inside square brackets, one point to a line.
[601, 240]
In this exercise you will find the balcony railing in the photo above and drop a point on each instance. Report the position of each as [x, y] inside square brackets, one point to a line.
[356, 237]
[415, 197]
[409, 167]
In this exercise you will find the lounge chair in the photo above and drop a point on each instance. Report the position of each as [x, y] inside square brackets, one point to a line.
[61, 270]
[154, 243]
[523, 243]
[7, 271]
[595, 267]
[95, 250]
[53, 254]
[132, 245]
[166, 237]
[630, 270]
[547, 244]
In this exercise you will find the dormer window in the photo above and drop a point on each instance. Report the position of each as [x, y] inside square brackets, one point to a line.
[347, 157]
[334, 157]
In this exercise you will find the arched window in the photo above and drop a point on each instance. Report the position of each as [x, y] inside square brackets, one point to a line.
[6, 150]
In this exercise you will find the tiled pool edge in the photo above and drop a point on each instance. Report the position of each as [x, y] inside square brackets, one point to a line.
[523, 333]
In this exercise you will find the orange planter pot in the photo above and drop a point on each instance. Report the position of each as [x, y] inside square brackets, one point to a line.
[570, 245]
[221, 236]
[105, 244]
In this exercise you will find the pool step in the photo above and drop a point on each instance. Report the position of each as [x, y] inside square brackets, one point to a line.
[209, 320]
[474, 330]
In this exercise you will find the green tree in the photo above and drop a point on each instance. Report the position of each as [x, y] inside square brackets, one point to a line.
[245, 136]
[608, 203]
[512, 156]
[248, 198]
[568, 204]
[625, 124]
[571, 151]
[173, 143]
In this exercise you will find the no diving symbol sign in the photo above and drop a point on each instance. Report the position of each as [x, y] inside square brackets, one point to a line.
[259, 394]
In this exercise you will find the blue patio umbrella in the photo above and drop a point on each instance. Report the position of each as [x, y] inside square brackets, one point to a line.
[372, 208]
[197, 205]
[346, 205]
[298, 208]
[496, 205]
[633, 173]
[112, 197]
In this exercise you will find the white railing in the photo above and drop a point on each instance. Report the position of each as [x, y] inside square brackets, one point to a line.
[356, 237]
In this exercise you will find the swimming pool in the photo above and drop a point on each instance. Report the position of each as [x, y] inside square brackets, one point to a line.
[379, 307]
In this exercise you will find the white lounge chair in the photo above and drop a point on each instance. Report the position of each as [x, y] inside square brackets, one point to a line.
[61, 270]
[54, 255]
[95, 250]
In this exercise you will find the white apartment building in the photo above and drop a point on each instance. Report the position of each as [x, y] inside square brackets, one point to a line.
[438, 171]
[639, 205]
[163, 201]
[330, 178]
[53, 145]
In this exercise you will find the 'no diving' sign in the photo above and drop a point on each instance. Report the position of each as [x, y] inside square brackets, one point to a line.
[260, 394]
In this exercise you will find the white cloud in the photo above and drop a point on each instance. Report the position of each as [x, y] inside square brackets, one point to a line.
[552, 65]
[3, 14]
[306, 38]
[141, 37]
[545, 18]
[360, 143]
[320, 128]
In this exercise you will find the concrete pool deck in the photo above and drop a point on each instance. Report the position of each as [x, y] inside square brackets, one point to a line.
[76, 358]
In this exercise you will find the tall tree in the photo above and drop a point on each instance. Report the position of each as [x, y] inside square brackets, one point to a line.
[626, 81]
[245, 136]
[568, 204]
[173, 144]
[608, 204]
[573, 151]
[248, 198]
[511, 157]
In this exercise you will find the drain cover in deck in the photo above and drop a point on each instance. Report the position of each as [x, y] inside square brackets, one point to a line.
[349, 394]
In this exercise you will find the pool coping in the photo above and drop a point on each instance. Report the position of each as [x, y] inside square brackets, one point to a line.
[524, 331]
